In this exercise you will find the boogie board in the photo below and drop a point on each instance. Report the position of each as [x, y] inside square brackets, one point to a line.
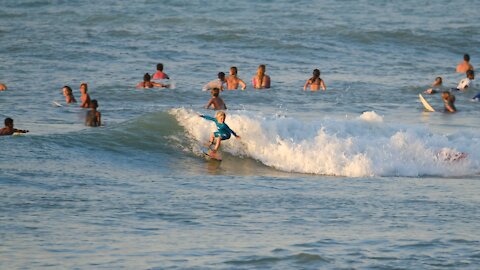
[211, 155]
[426, 105]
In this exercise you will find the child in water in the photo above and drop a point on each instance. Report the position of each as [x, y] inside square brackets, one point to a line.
[449, 102]
[67, 92]
[94, 117]
[223, 133]
[216, 101]
[147, 83]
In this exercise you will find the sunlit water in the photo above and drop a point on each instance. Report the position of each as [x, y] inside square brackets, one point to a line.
[357, 177]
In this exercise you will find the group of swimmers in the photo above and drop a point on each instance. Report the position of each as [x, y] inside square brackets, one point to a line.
[464, 84]
[93, 117]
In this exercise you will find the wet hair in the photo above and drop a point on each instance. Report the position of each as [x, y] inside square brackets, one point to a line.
[439, 79]
[470, 72]
[160, 66]
[215, 92]
[69, 90]
[316, 75]
[221, 75]
[219, 114]
[466, 57]
[234, 70]
[261, 74]
[147, 77]
[84, 85]
[94, 103]
[8, 121]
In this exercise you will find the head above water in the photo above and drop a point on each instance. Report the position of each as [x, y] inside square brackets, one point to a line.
[221, 76]
[466, 57]
[220, 116]
[316, 73]
[67, 90]
[160, 66]
[84, 86]
[8, 122]
[233, 71]
[147, 77]
[470, 74]
[215, 92]
[94, 104]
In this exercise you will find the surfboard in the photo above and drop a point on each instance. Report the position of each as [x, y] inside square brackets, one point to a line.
[57, 104]
[426, 105]
[211, 155]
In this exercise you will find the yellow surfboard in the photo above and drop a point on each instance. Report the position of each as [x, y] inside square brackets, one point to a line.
[427, 106]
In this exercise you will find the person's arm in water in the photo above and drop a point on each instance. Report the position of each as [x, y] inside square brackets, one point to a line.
[307, 83]
[242, 84]
[210, 102]
[99, 118]
[160, 85]
[322, 84]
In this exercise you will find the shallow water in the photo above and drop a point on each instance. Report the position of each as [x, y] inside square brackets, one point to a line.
[357, 177]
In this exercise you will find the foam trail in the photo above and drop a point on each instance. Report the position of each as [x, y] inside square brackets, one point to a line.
[356, 148]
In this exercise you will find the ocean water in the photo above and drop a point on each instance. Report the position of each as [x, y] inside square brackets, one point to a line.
[357, 177]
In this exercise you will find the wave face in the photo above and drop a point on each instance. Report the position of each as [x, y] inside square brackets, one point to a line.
[359, 147]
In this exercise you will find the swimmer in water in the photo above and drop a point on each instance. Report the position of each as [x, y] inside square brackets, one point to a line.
[8, 129]
[449, 102]
[94, 117]
[68, 93]
[147, 83]
[216, 101]
[233, 81]
[465, 65]
[261, 80]
[315, 82]
[436, 87]
[159, 74]
[85, 97]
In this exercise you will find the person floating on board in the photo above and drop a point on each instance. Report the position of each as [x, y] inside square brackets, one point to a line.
[465, 65]
[315, 82]
[216, 101]
[8, 129]
[223, 133]
[94, 117]
[233, 81]
[466, 83]
[218, 83]
[147, 83]
[449, 102]
[159, 75]
[68, 93]
[436, 86]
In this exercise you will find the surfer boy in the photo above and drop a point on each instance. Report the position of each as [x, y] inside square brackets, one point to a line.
[8, 129]
[216, 101]
[449, 102]
[315, 82]
[223, 133]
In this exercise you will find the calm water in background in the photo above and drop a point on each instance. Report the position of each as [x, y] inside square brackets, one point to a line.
[344, 179]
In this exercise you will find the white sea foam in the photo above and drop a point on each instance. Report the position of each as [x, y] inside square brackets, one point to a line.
[355, 148]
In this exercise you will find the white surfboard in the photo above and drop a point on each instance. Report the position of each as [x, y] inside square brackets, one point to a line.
[211, 155]
[426, 105]
[57, 104]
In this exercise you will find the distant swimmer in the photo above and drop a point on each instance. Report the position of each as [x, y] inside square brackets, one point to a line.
[233, 81]
[159, 74]
[449, 102]
[3, 87]
[466, 83]
[8, 129]
[218, 83]
[85, 97]
[315, 82]
[465, 65]
[94, 117]
[436, 87]
[261, 80]
[147, 83]
[68, 93]
[223, 133]
[216, 102]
